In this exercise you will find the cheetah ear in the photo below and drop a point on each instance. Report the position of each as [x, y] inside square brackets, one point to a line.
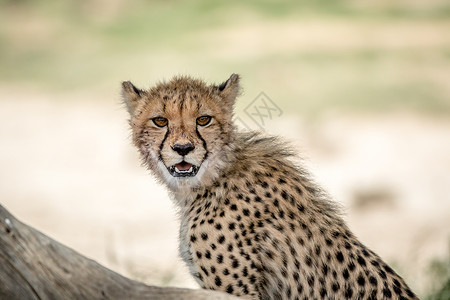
[230, 89]
[131, 96]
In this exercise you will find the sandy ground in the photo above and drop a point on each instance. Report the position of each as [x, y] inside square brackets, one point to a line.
[67, 167]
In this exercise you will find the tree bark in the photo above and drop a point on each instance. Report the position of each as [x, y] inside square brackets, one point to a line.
[34, 266]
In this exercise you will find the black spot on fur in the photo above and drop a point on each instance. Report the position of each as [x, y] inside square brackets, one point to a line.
[335, 286]
[347, 245]
[339, 257]
[229, 289]
[199, 276]
[220, 258]
[345, 274]
[348, 293]
[351, 266]
[218, 281]
[204, 270]
[361, 280]
[245, 289]
[388, 269]
[311, 279]
[397, 290]
[325, 269]
[317, 250]
[308, 261]
[361, 261]
[300, 289]
[387, 293]
[365, 253]
[410, 293]
[221, 239]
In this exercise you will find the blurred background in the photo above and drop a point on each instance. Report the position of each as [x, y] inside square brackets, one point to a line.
[362, 90]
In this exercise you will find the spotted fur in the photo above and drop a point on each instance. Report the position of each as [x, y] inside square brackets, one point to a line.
[253, 223]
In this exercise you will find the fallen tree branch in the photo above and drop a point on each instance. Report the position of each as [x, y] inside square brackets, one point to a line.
[34, 266]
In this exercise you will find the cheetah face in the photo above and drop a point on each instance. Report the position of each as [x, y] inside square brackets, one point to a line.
[183, 128]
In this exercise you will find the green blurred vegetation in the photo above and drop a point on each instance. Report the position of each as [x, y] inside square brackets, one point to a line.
[62, 46]
[440, 277]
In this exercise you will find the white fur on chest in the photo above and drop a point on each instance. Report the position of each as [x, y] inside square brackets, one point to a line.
[184, 247]
[185, 250]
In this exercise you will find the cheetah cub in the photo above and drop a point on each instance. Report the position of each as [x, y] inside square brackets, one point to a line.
[253, 224]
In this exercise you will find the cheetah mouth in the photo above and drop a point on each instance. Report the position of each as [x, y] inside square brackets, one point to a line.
[183, 169]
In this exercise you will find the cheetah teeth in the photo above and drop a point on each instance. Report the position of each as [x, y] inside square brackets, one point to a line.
[176, 172]
[184, 171]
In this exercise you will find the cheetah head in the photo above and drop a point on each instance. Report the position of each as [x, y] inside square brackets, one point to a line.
[183, 127]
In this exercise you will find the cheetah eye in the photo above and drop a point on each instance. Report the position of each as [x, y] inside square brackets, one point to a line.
[160, 121]
[204, 120]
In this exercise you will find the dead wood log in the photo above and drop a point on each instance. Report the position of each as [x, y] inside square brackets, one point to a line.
[34, 266]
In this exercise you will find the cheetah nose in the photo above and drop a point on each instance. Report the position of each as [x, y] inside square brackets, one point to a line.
[183, 149]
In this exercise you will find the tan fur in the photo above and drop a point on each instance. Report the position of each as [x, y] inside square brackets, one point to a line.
[252, 222]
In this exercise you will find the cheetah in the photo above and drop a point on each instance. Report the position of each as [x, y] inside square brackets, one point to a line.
[253, 222]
